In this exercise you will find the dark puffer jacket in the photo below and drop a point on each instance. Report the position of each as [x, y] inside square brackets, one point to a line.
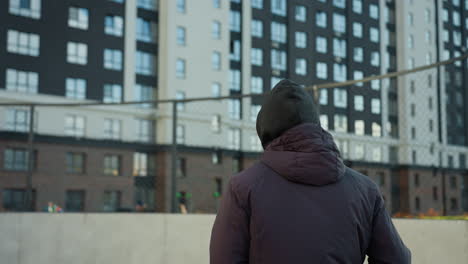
[300, 203]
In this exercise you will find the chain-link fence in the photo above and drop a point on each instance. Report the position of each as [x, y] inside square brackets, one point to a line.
[407, 131]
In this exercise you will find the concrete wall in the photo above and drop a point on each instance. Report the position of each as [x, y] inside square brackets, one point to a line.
[172, 239]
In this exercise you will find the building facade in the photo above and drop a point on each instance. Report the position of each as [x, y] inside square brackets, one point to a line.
[396, 130]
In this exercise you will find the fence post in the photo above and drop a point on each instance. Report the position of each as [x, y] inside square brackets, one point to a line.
[28, 206]
[174, 159]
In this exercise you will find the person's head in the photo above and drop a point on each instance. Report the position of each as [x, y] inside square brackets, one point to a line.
[285, 106]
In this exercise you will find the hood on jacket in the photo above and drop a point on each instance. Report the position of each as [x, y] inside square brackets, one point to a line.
[296, 146]
[305, 154]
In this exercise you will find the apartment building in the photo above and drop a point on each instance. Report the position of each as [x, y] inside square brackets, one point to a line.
[395, 130]
[86, 159]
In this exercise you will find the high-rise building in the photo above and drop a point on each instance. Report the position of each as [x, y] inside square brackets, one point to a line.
[97, 158]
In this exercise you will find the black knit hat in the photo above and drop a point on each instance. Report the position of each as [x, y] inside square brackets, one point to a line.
[285, 106]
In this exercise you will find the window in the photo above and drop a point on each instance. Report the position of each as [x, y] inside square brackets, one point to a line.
[278, 32]
[411, 41]
[113, 59]
[74, 201]
[23, 43]
[234, 80]
[21, 81]
[112, 128]
[359, 103]
[180, 134]
[324, 121]
[255, 143]
[216, 30]
[75, 126]
[340, 98]
[216, 123]
[78, 18]
[323, 97]
[235, 50]
[146, 30]
[274, 81]
[28, 8]
[257, 4]
[339, 72]
[374, 34]
[411, 63]
[181, 165]
[376, 130]
[216, 61]
[456, 18]
[113, 25]
[377, 154]
[234, 138]
[216, 89]
[257, 28]
[140, 164]
[321, 44]
[375, 58]
[18, 120]
[111, 201]
[357, 30]
[428, 58]
[180, 68]
[144, 93]
[144, 63]
[256, 57]
[453, 181]
[77, 53]
[341, 123]
[322, 71]
[357, 6]
[358, 75]
[428, 36]
[75, 163]
[112, 93]
[278, 60]
[146, 4]
[301, 39]
[375, 106]
[453, 204]
[375, 85]
[374, 11]
[300, 13]
[457, 38]
[417, 204]
[181, 6]
[445, 15]
[256, 84]
[339, 48]
[144, 130]
[301, 67]
[16, 159]
[359, 152]
[180, 36]
[75, 88]
[234, 21]
[278, 7]
[180, 96]
[339, 23]
[234, 109]
[359, 127]
[321, 19]
[339, 3]
[358, 54]
[410, 19]
[254, 110]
